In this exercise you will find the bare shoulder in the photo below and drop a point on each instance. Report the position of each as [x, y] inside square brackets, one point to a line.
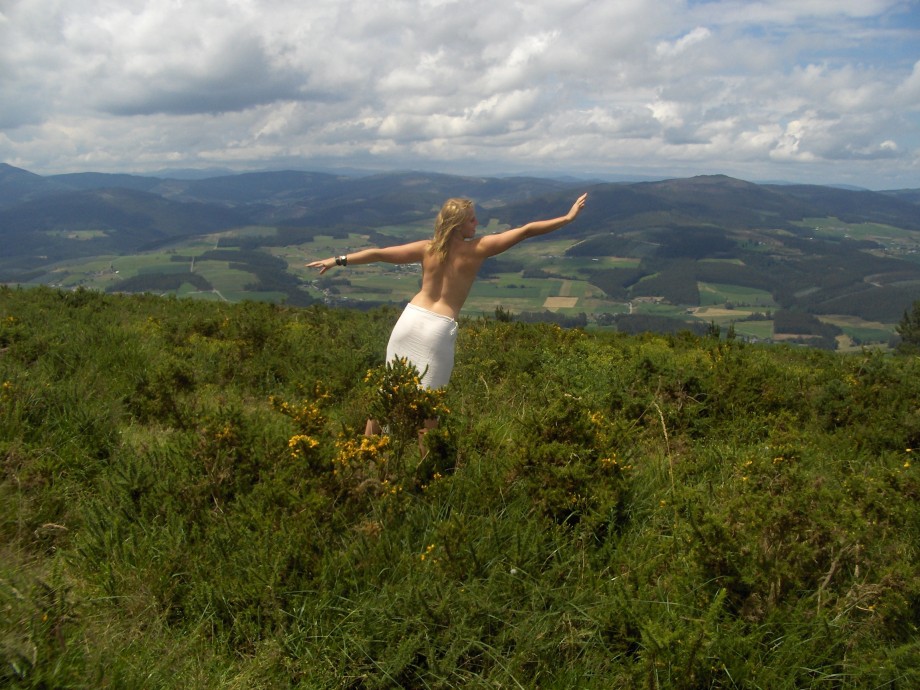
[470, 250]
[490, 245]
[404, 253]
[418, 245]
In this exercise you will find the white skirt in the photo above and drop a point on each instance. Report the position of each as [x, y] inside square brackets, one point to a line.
[427, 340]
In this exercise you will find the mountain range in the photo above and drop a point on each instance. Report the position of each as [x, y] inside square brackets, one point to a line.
[682, 231]
[141, 210]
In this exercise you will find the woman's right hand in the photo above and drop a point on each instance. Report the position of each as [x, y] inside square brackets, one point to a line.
[323, 265]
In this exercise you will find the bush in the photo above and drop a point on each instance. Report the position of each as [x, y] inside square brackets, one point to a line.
[187, 501]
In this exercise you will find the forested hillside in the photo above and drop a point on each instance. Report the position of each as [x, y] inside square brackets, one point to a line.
[839, 265]
[186, 501]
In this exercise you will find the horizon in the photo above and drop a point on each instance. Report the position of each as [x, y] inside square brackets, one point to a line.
[192, 174]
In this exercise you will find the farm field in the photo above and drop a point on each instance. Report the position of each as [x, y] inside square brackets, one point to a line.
[827, 267]
[537, 277]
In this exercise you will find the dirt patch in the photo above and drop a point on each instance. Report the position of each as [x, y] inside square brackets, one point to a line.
[718, 311]
[560, 302]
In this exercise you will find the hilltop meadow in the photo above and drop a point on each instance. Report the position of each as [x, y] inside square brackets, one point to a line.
[186, 501]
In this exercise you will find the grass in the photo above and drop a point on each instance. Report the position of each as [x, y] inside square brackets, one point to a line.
[185, 501]
[833, 227]
[712, 294]
[862, 331]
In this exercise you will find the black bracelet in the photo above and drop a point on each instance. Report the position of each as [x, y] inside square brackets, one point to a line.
[341, 260]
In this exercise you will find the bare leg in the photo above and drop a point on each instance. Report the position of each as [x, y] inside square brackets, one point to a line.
[372, 428]
[429, 424]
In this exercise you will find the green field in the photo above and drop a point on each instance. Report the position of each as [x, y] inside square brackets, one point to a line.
[566, 290]
[861, 331]
[78, 234]
[892, 241]
[832, 227]
[712, 294]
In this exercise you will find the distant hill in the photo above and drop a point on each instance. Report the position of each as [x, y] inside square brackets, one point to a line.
[911, 195]
[120, 221]
[18, 185]
[816, 249]
[293, 197]
[720, 201]
[92, 181]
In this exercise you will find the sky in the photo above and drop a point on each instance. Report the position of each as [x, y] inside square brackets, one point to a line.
[813, 91]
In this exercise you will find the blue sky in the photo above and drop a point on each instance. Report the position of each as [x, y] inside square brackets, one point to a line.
[818, 91]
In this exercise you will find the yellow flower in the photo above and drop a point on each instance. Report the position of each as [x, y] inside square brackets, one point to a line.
[300, 444]
[297, 440]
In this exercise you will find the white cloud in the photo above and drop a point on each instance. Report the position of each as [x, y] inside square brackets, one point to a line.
[590, 85]
[670, 49]
[908, 91]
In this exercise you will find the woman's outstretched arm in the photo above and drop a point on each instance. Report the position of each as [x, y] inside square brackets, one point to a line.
[400, 254]
[490, 245]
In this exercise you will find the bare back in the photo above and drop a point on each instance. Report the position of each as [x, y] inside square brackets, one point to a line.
[446, 284]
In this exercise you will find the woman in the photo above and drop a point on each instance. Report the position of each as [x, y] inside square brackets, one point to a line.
[427, 329]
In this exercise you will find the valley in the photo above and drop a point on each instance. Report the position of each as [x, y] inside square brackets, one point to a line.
[815, 266]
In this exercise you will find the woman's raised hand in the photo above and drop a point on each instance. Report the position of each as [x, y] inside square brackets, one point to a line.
[577, 206]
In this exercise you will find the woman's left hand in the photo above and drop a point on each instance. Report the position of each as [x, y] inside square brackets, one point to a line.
[577, 207]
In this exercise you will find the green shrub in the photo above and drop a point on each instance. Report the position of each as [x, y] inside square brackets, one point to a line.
[186, 500]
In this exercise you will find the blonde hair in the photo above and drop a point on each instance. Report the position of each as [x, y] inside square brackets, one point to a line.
[453, 214]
